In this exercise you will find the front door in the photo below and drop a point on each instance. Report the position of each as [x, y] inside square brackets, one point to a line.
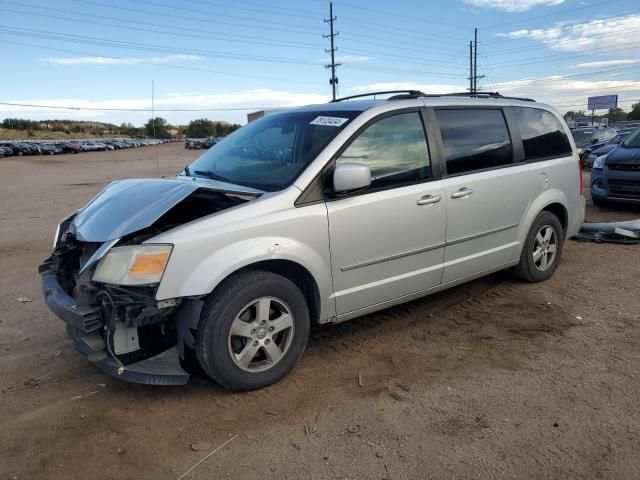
[388, 240]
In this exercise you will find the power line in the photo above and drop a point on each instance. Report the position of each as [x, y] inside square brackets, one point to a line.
[563, 77]
[199, 12]
[177, 67]
[97, 109]
[561, 42]
[395, 14]
[150, 47]
[182, 34]
[561, 57]
[550, 14]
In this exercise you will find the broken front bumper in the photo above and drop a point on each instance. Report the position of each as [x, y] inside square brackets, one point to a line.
[85, 325]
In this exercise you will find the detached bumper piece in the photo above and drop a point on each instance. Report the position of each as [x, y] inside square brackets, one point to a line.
[85, 324]
[161, 369]
[612, 232]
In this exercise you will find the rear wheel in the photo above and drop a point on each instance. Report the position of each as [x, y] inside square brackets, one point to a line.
[252, 331]
[542, 249]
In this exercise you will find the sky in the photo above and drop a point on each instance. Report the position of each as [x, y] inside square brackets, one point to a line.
[221, 59]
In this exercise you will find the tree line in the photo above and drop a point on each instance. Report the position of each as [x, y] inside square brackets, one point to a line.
[158, 127]
[614, 115]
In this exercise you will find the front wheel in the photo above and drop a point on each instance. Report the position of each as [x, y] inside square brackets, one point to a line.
[542, 249]
[252, 330]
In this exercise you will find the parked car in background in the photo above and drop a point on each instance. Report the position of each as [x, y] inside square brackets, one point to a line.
[19, 148]
[69, 147]
[5, 151]
[199, 143]
[602, 148]
[317, 214]
[615, 176]
[582, 137]
[603, 134]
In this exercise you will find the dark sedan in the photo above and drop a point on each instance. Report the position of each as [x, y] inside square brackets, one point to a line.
[602, 148]
[616, 175]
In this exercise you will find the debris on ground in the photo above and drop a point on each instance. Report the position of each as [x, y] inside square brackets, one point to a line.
[199, 447]
[24, 300]
[610, 232]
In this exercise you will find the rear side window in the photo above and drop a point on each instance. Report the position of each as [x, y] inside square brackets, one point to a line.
[474, 139]
[394, 148]
[542, 134]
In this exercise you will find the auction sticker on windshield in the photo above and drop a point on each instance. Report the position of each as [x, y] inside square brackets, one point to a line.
[329, 121]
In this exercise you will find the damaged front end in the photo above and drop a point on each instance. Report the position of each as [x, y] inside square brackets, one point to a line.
[115, 320]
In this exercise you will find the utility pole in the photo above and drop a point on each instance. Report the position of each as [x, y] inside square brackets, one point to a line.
[473, 63]
[334, 80]
[470, 66]
[153, 112]
[475, 60]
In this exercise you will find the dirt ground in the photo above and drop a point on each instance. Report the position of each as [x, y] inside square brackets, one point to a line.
[493, 379]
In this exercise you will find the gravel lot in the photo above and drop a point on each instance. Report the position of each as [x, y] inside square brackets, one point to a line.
[493, 379]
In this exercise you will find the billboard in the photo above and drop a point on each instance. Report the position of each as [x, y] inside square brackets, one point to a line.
[602, 102]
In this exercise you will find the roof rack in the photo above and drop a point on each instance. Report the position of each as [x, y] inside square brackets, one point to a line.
[478, 95]
[409, 94]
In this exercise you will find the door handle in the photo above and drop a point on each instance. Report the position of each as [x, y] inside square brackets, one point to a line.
[462, 193]
[429, 199]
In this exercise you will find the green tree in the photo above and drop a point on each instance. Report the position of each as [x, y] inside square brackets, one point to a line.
[616, 115]
[634, 114]
[127, 129]
[159, 126]
[201, 128]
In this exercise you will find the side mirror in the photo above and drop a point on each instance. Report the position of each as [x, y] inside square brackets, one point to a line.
[351, 176]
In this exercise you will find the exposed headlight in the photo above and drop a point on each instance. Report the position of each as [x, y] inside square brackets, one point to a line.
[133, 265]
[598, 163]
[66, 220]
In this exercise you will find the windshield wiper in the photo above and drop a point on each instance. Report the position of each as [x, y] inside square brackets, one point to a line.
[213, 176]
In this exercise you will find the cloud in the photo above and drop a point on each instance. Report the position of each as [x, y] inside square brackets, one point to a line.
[423, 87]
[593, 35]
[567, 93]
[98, 60]
[513, 5]
[222, 106]
[605, 63]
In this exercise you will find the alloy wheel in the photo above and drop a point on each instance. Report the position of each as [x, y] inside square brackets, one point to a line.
[545, 246]
[261, 334]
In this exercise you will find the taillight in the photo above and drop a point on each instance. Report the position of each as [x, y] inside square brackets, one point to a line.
[580, 174]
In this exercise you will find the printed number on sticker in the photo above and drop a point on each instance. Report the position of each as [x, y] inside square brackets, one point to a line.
[329, 121]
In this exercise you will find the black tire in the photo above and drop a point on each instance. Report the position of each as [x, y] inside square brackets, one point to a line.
[527, 269]
[228, 301]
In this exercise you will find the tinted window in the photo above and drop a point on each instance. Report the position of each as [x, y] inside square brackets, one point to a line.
[394, 148]
[633, 140]
[542, 134]
[270, 153]
[474, 139]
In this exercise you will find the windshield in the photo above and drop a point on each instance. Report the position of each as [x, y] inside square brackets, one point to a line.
[633, 140]
[582, 137]
[270, 153]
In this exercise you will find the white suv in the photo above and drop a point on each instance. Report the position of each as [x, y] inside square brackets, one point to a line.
[311, 215]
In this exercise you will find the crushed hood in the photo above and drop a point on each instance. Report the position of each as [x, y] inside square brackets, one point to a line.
[127, 206]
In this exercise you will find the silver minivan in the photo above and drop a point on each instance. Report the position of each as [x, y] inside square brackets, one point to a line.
[311, 215]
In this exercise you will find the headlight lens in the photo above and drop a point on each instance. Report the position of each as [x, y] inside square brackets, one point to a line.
[133, 265]
[598, 163]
